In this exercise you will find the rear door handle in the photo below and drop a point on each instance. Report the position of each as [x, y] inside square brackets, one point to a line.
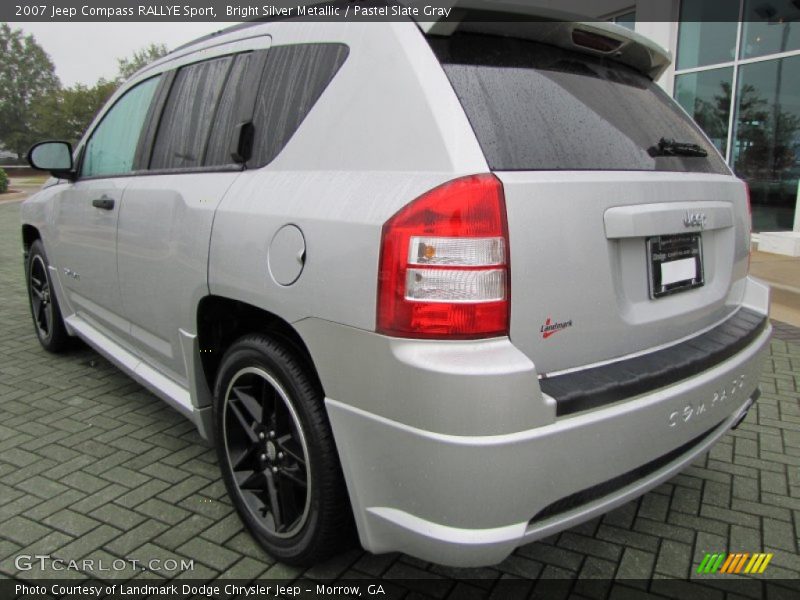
[105, 203]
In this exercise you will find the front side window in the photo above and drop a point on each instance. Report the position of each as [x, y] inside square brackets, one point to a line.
[112, 147]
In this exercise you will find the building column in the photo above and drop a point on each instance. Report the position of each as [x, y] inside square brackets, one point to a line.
[658, 20]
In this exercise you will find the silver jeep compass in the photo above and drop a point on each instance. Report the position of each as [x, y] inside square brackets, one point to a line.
[452, 286]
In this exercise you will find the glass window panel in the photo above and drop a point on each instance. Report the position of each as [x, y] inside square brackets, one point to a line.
[706, 96]
[707, 33]
[111, 149]
[221, 139]
[770, 27]
[539, 107]
[627, 20]
[294, 79]
[766, 150]
[188, 115]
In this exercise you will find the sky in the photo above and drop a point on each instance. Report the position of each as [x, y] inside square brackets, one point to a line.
[84, 52]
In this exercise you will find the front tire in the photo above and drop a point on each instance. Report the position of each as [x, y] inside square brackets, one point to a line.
[277, 454]
[46, 313]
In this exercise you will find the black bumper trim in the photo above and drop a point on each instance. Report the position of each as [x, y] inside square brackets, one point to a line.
[611, 486]
[591, 388]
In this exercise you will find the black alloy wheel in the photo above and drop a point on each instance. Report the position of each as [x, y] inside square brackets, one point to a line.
[47, 321]
[267, 452]
[276, 451]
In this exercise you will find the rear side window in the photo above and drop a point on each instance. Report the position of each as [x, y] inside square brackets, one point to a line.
[294, 78]
[112, 147]
[188, 115]
[540, 107]
[235, 93]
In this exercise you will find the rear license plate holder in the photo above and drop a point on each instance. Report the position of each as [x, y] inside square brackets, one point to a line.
[674, 263]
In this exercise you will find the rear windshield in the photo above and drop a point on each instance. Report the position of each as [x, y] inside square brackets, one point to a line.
[539, 107]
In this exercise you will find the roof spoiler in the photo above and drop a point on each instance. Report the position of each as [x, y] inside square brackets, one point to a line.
[556, 28]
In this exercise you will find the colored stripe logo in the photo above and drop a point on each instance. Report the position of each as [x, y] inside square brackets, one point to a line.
[742, 562]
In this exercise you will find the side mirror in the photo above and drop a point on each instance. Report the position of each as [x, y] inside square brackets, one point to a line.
[55, 157]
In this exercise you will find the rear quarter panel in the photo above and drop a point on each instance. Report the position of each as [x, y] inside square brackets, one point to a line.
[387, 129]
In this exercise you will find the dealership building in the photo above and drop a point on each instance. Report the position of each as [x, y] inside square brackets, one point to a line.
[736, 70]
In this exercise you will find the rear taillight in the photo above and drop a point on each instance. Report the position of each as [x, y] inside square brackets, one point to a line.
[444, 264]
[595, 41]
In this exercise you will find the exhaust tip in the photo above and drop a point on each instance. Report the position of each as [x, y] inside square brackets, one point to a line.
[753, 399]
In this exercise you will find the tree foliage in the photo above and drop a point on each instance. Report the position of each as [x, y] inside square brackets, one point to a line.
[141, 58]
[33, 104]
[66, 114]
[27, 76]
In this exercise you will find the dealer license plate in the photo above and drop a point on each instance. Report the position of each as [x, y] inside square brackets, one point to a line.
[675, 263]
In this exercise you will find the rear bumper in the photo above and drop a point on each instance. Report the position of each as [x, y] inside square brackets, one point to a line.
[385, 528]
[454, 495]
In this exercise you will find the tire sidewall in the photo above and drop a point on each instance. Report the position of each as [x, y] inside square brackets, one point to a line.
[250, 353]
[37, 249]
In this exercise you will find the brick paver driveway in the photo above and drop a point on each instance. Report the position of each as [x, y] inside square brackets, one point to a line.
[93, 466]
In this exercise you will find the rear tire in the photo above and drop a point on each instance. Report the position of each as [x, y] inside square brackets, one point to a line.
[277, 454]
[47, 321]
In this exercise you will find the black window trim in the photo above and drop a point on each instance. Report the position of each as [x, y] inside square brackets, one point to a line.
[148, 136]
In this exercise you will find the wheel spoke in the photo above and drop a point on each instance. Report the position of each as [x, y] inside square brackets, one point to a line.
[244, 457]
[250, 404]
[48, 316]
[288, 444]
[41, 317]
[293, 477]
[255, 499]
[252, 481]
[275, 505]
[246, 426]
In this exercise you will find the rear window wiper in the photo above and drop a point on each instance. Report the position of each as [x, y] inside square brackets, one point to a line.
[667, 147]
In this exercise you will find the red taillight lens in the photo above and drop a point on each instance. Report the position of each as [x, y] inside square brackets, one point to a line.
[444, 264]
[595, 41]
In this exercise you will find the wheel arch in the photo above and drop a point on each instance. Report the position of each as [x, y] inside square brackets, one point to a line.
[221, 321]
[29, 235]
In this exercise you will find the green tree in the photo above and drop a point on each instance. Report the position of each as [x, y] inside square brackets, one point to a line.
[66, 114]
[27, 75]
[141, 58]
